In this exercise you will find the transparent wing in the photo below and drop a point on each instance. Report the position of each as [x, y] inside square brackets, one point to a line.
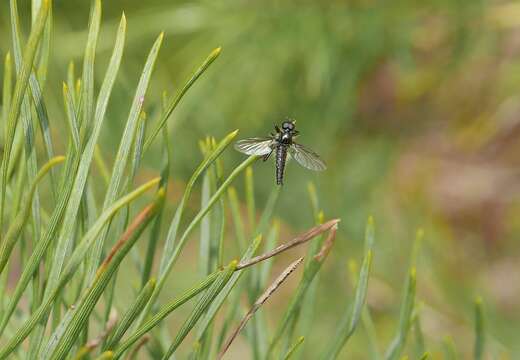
[255, 146]
[307, 158]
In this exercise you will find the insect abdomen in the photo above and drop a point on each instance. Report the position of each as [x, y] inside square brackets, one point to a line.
[281, 156]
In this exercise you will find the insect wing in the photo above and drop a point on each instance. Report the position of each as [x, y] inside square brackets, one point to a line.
[254, 146]
[307, 158]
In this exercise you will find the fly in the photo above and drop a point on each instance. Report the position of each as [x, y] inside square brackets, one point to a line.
[284, 147]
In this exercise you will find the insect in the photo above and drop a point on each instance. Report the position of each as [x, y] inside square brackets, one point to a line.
[282, 144]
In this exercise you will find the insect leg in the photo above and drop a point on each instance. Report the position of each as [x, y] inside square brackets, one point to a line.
[266, 156]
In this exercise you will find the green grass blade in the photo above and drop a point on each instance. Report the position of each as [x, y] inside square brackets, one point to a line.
[72, 120]
[222, 296]
[479, 330]
[250, 199]
[201, 306]
[175, 101]
[103, 276]
[87, 77]
[16, 227]
[165, 311]
[280, 279]
[88, 152]
[124, 149]
[310, 271]
[18, 96]
[293, 348]
[405, 319]
[131, 314]
[170, 254]
[174, 225]
[34, 85]
[72, 266]
[349, 323]
[240, 232]
[6, 90]
[156, 226]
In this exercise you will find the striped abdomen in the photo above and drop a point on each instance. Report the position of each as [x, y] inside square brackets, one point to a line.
[281, 157]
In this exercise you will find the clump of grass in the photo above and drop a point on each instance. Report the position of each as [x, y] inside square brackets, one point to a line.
[71, 256]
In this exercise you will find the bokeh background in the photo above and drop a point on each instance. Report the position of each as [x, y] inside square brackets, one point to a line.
[413, 104]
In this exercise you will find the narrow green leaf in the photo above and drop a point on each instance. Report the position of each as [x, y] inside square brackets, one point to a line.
[201, 306]
[72, 266]
[165, 311]
[349, 323]
[6, 90]
[17, 226]
[35, 88]
[175, 101]
[280, 279]
[250, 199]
[405, 320]
[73, 204]
[310, 271]
[103, 275]
[293, 348]
[168, 262]
[131, 314]
[222, 296]
[124, 149]
[479, 330]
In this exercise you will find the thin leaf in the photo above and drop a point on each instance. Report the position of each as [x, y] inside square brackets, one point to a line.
[192, 225]
[16, 227]
[293, 348]
[175, 101]
[75, 260]
[123, 152]
[131, 314]
[103, 275]
[479, 330]
[405, 320]
[349, 322]
[259, 302]
[18, 95]
[201, 306]
[308, 275]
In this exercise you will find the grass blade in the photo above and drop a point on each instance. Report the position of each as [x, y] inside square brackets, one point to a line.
[405, 319]
[259, 302]
[222, 296]
[293, 348]
[103, 276]
[175, 101]
[308, 275]
[131, 314]
[201, 306]
[125, 147]
[18, 95]
[16, 227]
[72, 266]
[479, 330]
[192, 225]
[349, 323]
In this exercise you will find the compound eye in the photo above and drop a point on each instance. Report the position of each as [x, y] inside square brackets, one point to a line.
[286, 125]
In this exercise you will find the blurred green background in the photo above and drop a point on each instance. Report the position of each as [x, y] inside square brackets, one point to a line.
[414, 105]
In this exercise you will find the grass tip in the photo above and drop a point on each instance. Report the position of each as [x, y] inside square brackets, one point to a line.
[413, 272]
[419, 234]
[233, 264]
[478, 300]
[370, 220]
[217, 51]
[8, 57]
[161, 193]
